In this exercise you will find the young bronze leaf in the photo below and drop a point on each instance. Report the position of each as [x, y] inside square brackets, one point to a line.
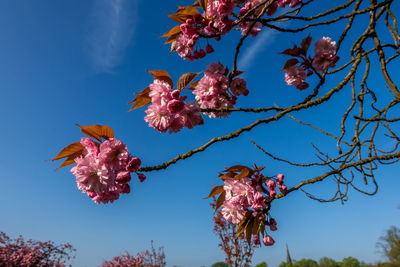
[290, 63]
[185, 80]
[97, 131]
[171, 39]
[177, 18]
[305, 44]
[256, 225]
[162, 75]
[243, 173]
[174, 31]
[69, 150]
[243, 223]
[295, 51]
[220, 201]
[261, 228]
[186, 11]
[142, 99]
[237, 73]
[215, 191]
[70, 160]
[236, 168]
[249, 229]
[193, 85]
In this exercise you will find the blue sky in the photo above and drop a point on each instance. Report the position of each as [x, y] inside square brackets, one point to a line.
[68, 62]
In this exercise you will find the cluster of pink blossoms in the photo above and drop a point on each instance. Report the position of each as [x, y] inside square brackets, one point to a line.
[212, 90]
[325, 54]
[246, 195]
[168, 110]
[325, 57]
[18, 252]
[216, 21]
[103, 172]
[246, 26]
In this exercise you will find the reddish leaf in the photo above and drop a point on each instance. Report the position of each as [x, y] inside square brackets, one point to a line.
[174, 31]
[236, 168]
[290, 63]
[69, 150]
[187, 11]
[295, 51]
[97, 131]
[237, 73]
[242, 225]
[249, 229]
[162, 75]
[171, 39]
[142, 99]
[220, 200]
[305, 44]
[185, 80]
[256, 225]
[173, 47]
[177, 18]
[70, 160]
[193, 85]
[243, 173]
[215, 191]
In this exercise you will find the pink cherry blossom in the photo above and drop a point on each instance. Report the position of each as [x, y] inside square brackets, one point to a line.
[296, 76]
[325, 54]
[268, 241]
[133, 164]
[114, 153]
[258, 202]
[239, 87]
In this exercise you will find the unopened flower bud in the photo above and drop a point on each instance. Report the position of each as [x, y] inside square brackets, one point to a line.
[141, 177]
[256, 239]
[175, 94]
[123, 177]
[202, 53]
[272, 193]
[271, 184]
[126, 189]
[175, 106]
[209, 49]
[283, 189]
[133, 164]
[268, 241]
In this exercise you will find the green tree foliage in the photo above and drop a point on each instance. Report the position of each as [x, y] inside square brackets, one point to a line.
[262, 264]
[219, 264]
[350, 262]
[389, 244]
[328, 262]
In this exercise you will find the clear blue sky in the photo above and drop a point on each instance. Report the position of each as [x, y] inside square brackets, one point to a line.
[67, 62]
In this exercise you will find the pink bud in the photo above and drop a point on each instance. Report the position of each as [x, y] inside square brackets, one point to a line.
[273, 227]
[175, 106]
[126, 189]
[175, 94]
[209, 49]
[202, 53]
[268, 241]
[271, 184]
[272, 193]
[123, 177]
[272, 221]
[283, 189]
[280, 176]
[256, 239]
[133, 164]
[141, 177]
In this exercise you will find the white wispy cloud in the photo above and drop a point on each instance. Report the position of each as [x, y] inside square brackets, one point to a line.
[264, 38]
[111, 27]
